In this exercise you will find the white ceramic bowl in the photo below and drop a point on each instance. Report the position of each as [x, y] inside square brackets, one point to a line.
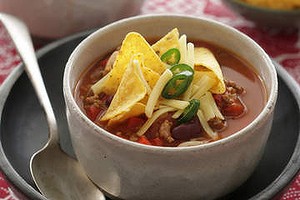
[59, 18]
[129, 170]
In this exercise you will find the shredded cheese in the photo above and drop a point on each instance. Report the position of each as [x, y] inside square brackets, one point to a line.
[137, 65]
[206, 126]
[178, 104]
[97, 87]
[191, 143]
[214, 106]
[205, 83]
[177, 114]
[190, 55]
[150, 121]
[156, 91]
[189, 61]
[182, 49]
[209, 107]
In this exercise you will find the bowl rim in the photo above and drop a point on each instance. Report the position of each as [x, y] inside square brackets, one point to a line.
[262, 116]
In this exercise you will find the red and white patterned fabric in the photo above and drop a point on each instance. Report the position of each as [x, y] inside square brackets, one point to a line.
[8, 55]
[282, 45]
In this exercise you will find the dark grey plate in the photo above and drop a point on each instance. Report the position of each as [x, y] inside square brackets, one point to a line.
[24, 129]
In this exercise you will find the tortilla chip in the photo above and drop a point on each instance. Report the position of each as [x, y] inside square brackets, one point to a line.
[198, 74]
[205, 60]
[133, 43]
[131, 90]
[150, 76]
[167, 42]
[136, 110]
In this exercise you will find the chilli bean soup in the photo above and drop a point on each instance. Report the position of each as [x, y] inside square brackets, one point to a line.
[173, 91]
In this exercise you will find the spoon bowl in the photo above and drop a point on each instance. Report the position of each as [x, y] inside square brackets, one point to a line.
[57, 175]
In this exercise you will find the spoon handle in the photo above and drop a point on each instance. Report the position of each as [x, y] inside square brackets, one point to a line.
[23, 43]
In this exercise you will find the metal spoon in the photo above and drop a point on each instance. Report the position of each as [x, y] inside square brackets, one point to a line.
[57, 175]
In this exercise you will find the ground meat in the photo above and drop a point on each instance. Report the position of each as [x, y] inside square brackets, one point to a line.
[106, 99]
[228, 99]
[97, 75]
[165, 131]
[153, 131]
[230, 103]
[94, 99]
[233, 88]
[96, 105]
[102, 100]
[217, 124]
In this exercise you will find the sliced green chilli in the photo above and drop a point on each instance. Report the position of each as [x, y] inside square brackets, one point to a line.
[182, 68]
[190, 111]
[176, 86]
[171, 57]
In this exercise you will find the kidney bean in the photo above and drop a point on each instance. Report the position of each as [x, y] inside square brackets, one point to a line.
[187, 130]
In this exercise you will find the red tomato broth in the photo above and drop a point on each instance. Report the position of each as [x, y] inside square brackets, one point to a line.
[233, 68]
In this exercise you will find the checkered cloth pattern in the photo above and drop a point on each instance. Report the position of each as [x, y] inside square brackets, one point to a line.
[282, 45]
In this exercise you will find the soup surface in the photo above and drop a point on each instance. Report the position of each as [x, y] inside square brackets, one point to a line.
[243, 99]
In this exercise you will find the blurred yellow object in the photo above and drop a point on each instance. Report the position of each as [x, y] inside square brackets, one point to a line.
[275, 4]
